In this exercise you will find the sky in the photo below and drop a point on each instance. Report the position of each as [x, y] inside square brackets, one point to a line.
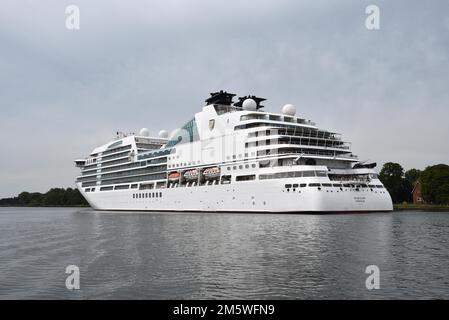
[135, 64]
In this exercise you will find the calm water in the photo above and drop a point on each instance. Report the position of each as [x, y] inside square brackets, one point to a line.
[198, 256]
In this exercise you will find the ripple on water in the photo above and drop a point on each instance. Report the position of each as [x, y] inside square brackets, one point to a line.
[221, 256]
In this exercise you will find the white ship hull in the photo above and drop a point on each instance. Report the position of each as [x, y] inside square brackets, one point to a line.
[268, 196]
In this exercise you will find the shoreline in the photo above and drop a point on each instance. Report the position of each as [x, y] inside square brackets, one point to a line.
[419, 207]
[73, 206]
[396, 207]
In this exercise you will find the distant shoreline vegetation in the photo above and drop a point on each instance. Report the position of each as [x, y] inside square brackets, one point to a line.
[434, 181]
[420, 207]
[55, 197]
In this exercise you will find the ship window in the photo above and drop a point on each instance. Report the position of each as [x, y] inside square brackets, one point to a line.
[288, 186]
[87, 190]
[122, 187]
[234, 167]
[308, 174]
[240, 167]
[134, 186]
[233, 156]
[160, 194]
[379, 186]
[247, 166]
[298, 174]
[281, 175]
[229, 168]
[106, 188]
[157, 196]
[188, 133]
[246, 177]
[302, 185]
[253, 165]
[246, 155]
[226, 179]
[314, 185]
[338, 185]
[327, 185]
[321, 173]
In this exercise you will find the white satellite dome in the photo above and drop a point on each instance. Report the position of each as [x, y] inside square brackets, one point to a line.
[144, 132]
[174, 134]
[289, 110]
[163, 134]
[249, 104]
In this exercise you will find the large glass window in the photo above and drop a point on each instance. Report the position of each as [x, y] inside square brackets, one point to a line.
[188, 133]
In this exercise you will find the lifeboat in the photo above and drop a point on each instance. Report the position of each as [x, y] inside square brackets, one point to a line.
[191, 175]
[211, 173]
[174, 176]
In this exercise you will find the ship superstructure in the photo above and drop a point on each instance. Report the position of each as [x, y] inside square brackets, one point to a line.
[233, 157]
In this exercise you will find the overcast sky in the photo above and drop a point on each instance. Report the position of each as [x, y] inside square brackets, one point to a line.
[137, 64]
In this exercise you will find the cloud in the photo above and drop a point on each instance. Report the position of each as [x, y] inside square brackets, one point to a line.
[151, 64]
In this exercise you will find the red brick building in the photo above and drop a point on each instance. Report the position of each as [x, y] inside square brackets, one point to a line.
[417, 194]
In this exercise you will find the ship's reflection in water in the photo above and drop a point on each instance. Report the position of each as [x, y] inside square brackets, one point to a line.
[200, 255]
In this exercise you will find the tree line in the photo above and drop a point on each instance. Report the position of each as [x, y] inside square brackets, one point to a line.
[434, 182]
[57, 197]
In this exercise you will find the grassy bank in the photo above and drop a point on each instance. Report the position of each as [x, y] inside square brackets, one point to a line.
[426, 207]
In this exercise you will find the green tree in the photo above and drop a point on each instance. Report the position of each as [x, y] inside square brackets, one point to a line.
[392, 176]
[412, 175]
[53, 197]
[435, 184]
[24, 198]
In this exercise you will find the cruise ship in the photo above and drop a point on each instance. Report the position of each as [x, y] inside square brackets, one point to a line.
[232, 156]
